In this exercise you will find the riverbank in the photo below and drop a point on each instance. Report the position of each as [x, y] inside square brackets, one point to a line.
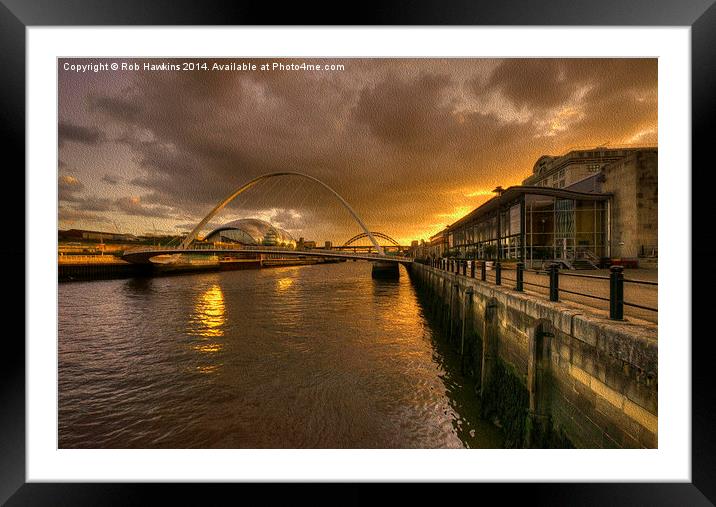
[550, 374]
[108, 267]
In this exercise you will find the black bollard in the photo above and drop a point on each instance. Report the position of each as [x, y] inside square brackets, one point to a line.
[554, 282]
[520, 277]
[498, 273]
[616, 293]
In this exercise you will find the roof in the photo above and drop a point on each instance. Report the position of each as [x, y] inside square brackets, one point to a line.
[254, 227]
[548, 164]
[439, 235]
[512, 193]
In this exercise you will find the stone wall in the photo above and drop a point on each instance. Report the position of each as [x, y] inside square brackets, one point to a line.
[550, 374]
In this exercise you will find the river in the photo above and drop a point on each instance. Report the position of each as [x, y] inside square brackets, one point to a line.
[317, 356]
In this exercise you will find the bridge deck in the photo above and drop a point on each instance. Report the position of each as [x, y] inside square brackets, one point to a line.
[143, 255]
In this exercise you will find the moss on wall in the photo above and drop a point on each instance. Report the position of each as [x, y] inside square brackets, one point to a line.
[505, 400]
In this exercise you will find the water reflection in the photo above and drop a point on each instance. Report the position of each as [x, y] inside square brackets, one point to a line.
[208, 318]
[283, 284]
[211, 368]
[139, 285]
[207, 322]
[328, 358]
[209, 348]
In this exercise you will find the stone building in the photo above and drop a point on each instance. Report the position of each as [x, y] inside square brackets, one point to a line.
[584, 209]
[576, 170]
[632, 183]
[437, 246]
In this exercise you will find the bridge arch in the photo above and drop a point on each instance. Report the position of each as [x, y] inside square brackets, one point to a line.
[193, 234]
[375, 234]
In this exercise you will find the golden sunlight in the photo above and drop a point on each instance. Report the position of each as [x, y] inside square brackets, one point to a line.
[209, 319]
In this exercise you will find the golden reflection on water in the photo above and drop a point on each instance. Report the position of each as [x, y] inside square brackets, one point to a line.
[209, 315]
[207, 322]
[207, 369]
[209, 348]
[283, 284]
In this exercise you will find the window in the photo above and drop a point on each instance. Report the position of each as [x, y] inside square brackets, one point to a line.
[515, 219]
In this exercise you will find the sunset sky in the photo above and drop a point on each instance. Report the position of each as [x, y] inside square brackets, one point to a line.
[411, 144]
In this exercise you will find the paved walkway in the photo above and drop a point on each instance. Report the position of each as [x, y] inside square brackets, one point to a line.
[640, 294]
[635, 293]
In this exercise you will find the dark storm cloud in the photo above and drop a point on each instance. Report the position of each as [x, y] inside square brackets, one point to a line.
[133, 206]
[68, 187]
[69, 132]
[118, 107]
[403, 140]
[69, 216]
[69, 183]
[93, 203]
[407, 114]
[549, 83]
[111, 179]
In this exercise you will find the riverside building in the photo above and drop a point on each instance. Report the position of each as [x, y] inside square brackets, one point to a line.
[586, 208]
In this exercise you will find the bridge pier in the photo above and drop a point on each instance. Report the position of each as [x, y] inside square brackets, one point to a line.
[385, 270]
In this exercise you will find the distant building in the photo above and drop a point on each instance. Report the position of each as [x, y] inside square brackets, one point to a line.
[438, 244]
[584, 208]
[271, 238]
[251, 231]
[98, 236]
[328, 245]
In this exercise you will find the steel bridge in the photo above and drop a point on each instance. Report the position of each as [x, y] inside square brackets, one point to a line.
[382, 262]
[144, 254]
[363, 235]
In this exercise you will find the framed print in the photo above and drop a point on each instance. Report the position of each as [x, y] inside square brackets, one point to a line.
[417, 253]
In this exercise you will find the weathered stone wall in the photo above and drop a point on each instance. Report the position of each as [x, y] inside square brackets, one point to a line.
[551, 374]
[634, 214]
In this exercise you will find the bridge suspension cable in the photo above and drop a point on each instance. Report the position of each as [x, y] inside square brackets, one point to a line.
[193, 234]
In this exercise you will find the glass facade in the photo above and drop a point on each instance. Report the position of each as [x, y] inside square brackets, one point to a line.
[251, 231]
[534, 227]
[564, 229]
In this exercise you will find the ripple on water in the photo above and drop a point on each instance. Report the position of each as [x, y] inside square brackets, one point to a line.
[316, 356]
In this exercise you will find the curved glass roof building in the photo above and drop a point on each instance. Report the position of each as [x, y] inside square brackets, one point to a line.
[251, 231]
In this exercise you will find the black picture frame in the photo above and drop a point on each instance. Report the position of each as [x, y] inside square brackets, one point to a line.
[700, 15]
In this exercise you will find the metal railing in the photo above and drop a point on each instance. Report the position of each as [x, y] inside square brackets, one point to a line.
[615, 280]
[89, 259]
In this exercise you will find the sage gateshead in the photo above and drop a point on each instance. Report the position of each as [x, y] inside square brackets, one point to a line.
[252, 232]
[606, 212]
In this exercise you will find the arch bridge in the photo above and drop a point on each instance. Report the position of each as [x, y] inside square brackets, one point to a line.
[143, 255]
[382, 262]
[364, 235]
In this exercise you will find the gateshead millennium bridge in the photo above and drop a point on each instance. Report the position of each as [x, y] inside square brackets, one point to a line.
[383, 264]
